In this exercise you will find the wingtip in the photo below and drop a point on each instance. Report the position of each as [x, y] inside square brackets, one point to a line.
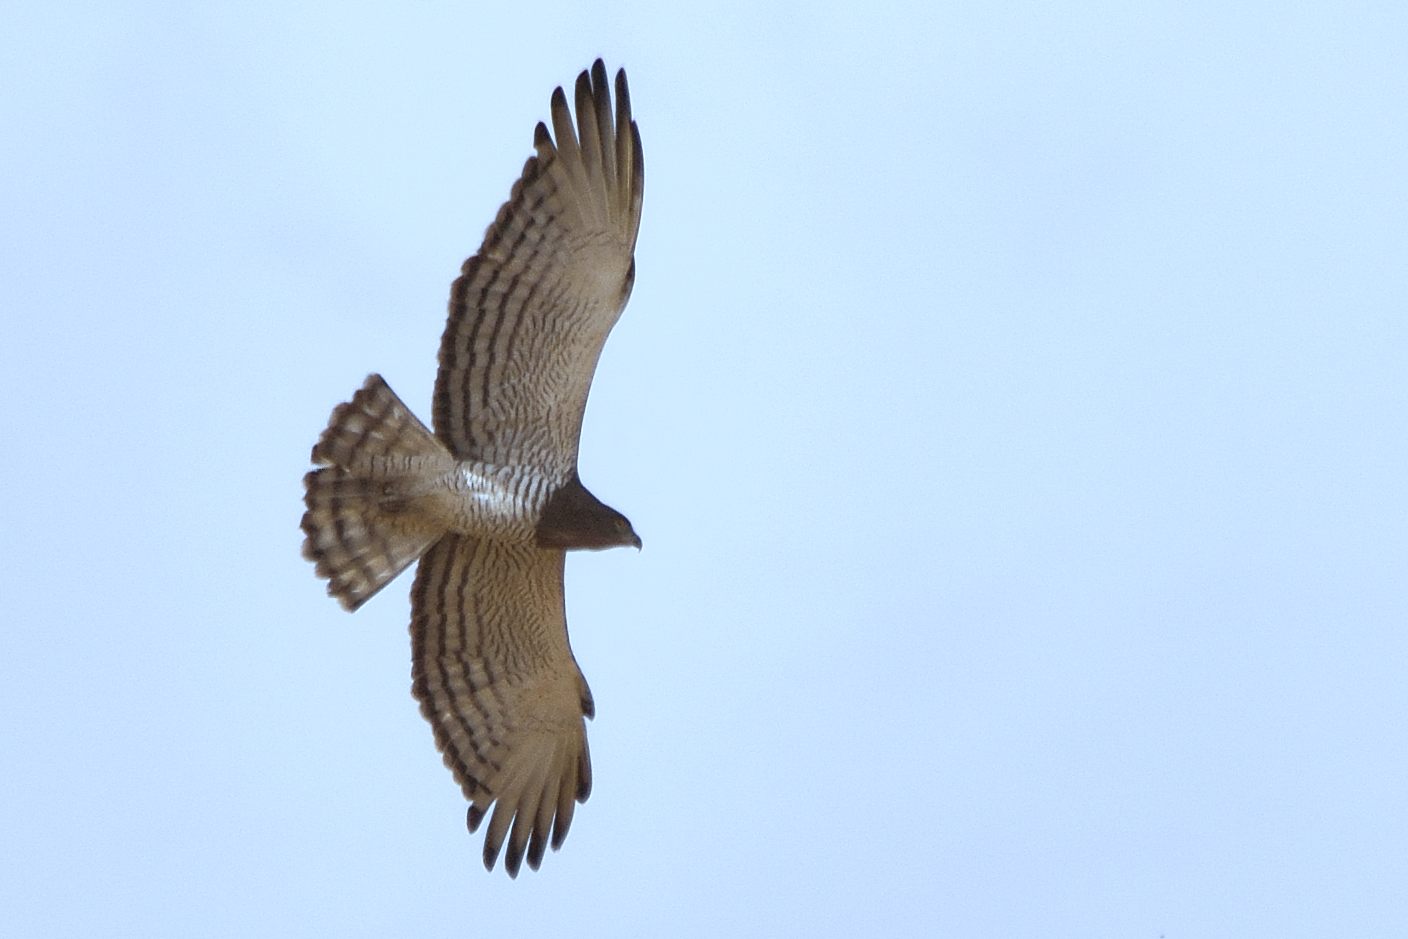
[491, 854]
[537, 844]
[584, 776]
[513, 858]
[561, 111]
[623, 94]
[583, 88]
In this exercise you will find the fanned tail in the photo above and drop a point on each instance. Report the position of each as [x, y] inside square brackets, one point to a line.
[360, 527]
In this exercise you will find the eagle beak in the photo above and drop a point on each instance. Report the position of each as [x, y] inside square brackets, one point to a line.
[635, 540]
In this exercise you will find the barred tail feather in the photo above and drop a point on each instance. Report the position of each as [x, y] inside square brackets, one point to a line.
[360, 527]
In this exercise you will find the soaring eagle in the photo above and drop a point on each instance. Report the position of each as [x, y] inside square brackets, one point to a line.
[490, 502]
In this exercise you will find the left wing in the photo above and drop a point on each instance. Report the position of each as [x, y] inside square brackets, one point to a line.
[495, 677]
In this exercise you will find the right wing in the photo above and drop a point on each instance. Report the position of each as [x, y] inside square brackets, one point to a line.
[531, 311]
[495, 677]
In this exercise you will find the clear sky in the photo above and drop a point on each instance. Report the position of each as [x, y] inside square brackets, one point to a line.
[1012, 402]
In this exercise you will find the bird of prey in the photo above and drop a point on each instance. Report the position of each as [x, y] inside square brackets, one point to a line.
[490, 501]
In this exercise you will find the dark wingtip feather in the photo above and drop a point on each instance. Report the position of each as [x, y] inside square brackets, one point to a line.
[491, 853]
[584, 776]
[638, 158]
[473, 818]
[513, 858]
[559, 101]
[561, 825]
[566, 807]
[623, 95]
[537, 844]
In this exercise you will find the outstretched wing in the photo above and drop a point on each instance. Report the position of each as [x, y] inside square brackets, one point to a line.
[530, 312]
[497, 681]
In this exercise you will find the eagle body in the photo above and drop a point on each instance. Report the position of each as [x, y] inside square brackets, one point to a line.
[489, 501]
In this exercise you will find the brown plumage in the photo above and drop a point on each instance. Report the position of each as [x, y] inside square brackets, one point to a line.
[490, 502]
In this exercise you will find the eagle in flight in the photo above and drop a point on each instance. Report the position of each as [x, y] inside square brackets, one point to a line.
[490, 501]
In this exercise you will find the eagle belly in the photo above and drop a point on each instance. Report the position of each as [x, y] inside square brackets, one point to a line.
[500, 503]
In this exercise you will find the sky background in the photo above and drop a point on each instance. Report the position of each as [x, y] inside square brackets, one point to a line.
[1012, 403]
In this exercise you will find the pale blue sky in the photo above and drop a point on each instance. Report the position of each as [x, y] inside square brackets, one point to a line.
[1012, 403]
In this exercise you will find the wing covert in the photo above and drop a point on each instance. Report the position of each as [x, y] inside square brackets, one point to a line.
[531, 310]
